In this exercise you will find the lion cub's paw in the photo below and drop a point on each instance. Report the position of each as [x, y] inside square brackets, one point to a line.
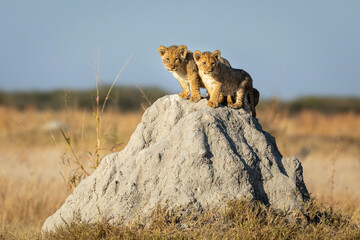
[236, 105]
[183, 95]
[230, 104]
[195, 98]
[212, 104]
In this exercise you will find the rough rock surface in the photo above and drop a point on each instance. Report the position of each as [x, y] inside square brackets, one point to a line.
[186, 154]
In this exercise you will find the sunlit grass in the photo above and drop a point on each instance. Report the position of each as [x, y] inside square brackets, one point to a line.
[239, 220]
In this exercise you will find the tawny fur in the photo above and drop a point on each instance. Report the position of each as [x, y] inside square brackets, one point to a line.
[224, 80]
[180, 62]
[231, 99]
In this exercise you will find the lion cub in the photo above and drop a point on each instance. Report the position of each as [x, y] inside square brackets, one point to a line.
[224, 80]
[180, 62]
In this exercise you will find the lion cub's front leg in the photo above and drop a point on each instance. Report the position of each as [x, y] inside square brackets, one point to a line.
[186, 91]
[222, 99]
[195, 82]
[240, 95]
[214, 96]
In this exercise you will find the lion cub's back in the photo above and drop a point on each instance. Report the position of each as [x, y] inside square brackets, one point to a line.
[232, 79]
[191, 67]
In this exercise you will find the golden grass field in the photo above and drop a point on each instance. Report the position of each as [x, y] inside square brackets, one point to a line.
[34, 156]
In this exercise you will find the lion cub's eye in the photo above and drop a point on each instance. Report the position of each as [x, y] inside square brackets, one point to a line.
[168, 60]
[177, 59]
[212, 64]
[204, 63]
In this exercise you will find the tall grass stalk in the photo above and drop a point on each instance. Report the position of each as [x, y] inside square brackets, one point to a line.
[148, 102]
[75, 176]
[77, 160]
[98, 113]
[113, 83]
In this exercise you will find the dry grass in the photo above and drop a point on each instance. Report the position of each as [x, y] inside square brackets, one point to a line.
[328, 145]
[239, 220]
[32, 152]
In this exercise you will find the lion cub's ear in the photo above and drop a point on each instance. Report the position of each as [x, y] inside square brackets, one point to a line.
[162, 50]
[197, 55]
[217, 54]
[183, 51]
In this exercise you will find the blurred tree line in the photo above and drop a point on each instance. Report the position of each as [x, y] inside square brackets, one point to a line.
[135, 99]
[316, 103]
[121, 98]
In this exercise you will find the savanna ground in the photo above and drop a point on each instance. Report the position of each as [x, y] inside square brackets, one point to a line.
[37, 167]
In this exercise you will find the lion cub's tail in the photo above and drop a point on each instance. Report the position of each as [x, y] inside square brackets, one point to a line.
[253, 98]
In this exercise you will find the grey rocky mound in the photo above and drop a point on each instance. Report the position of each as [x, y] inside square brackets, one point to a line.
[186, 154]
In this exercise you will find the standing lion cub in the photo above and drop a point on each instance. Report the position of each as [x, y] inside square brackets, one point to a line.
[180, 62]
[224, 80]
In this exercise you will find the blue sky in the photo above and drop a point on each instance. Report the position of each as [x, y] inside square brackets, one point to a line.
[290, 48]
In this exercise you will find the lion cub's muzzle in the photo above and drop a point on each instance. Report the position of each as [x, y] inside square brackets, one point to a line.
[208, 71]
